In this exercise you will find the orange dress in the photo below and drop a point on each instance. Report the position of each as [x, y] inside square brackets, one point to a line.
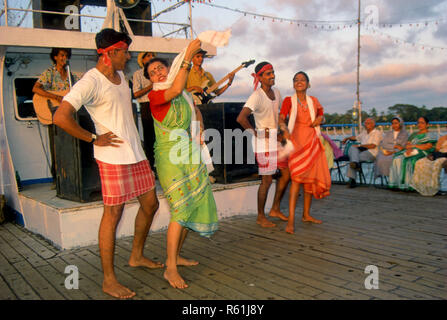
[307, 164]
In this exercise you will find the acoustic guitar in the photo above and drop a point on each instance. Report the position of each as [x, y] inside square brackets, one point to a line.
[45, 107]
[206, 96]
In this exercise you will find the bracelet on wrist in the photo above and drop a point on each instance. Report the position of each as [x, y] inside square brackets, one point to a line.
[186, 65]
[94, 137]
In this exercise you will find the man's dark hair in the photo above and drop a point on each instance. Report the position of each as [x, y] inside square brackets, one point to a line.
[55, 51]
[107, 37]
[147, 64]
[260, 65]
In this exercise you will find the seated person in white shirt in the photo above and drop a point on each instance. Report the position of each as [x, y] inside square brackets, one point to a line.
[365, 151]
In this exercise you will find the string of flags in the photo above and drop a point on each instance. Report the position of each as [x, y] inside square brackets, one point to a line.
[401, 41]
[322, 25]
[417, 24]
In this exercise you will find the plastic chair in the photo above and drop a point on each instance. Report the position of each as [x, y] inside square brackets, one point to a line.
[362, 175]
[339, 160]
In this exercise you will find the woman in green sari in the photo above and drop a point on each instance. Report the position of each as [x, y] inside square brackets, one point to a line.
[418, 146]
[181, 171]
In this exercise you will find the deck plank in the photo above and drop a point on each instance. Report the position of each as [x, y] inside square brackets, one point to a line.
[54, 274]
[14, 281]
[403, 234]
[38, 283]
[202, 269]
[41, 247]
[204, 277]
[6, 293]
[26, 252]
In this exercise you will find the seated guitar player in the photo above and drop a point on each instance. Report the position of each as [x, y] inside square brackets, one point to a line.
[198, 78]
[54, 83]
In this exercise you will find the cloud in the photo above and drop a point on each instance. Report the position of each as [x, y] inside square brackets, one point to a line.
[383, 86]
[390, 72]
[405, 10]
[441, 31]
[310, 60]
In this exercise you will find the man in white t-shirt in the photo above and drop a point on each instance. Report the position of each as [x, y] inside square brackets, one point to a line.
[264, 104]
[124, 170]
[365, 151]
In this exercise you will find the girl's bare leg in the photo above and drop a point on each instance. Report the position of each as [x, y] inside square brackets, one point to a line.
[293, 197]
[306, 210]
[173, 242]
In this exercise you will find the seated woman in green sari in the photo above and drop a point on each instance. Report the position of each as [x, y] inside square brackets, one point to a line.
[418, 146]
[181, 171]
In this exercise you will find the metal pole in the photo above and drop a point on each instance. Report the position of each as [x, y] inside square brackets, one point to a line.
[190, 18]
[6, 12]
[359, 106]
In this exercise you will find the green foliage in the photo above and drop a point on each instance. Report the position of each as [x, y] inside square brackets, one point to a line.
[407, 112]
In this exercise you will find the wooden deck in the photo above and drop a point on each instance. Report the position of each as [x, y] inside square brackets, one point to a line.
[403, 234]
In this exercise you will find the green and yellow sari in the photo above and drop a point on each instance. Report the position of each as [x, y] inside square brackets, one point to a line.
[402, 168]
[182, 174]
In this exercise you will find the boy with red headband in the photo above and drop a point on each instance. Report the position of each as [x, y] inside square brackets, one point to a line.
[124, 170]
[264, 104]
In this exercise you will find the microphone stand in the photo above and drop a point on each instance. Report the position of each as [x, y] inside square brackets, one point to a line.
[69, 75]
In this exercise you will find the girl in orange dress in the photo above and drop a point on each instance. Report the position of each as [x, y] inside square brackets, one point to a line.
[307, 163]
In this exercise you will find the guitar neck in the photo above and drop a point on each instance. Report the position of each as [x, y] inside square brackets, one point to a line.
[218, 83]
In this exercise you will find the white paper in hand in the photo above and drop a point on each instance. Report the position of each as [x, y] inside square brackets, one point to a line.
[215, 38]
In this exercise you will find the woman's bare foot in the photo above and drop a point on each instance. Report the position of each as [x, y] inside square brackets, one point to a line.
[115, 289]
[186, 262]
[278, 214]
[174, 279]
[145, 262]
[263, 222]
[312, 220]
[290, 229]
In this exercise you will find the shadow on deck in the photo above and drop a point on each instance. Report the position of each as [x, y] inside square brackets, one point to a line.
[403, 234]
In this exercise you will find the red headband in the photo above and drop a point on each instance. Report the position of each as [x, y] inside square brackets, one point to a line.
[104, 52]
[257, 75]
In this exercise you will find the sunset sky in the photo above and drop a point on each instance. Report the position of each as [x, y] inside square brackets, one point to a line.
[412, 71]
[390, 72]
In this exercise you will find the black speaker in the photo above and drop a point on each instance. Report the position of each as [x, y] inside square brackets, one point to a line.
[77, 173]
[237, 160]
[142, 11]
[51, 20]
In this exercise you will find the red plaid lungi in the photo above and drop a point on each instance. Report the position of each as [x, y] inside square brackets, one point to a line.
[122, 182]
[268, 162]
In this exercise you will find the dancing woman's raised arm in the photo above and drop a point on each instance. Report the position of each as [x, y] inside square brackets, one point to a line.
[180, 80]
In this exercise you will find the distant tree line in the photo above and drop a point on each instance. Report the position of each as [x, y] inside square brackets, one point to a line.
[407, 112]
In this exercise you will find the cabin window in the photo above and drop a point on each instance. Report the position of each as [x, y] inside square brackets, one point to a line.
[23, 88]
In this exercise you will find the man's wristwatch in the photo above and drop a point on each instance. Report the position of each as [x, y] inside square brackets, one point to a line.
[94, 137]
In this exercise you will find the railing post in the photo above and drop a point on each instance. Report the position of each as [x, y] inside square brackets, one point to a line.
[6, 12]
